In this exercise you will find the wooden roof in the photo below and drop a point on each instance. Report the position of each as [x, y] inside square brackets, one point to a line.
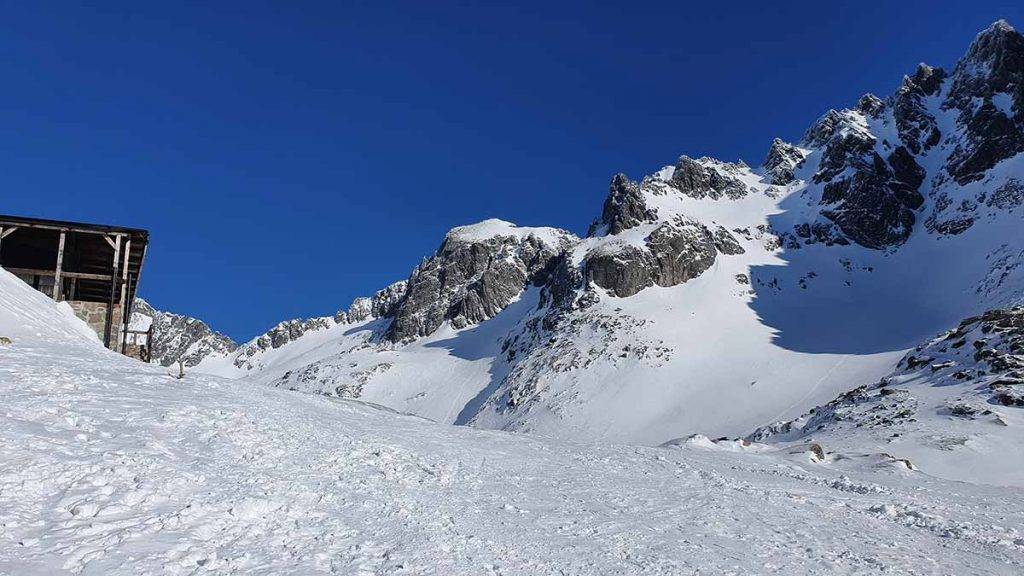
[88, 256]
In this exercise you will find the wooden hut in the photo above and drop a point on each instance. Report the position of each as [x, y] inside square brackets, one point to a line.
[94, 268]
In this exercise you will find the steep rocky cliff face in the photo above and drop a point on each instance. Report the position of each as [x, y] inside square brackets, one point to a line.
[707, 296]
[475, 274]
[180, 338]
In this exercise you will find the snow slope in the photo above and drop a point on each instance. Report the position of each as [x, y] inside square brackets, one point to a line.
[109, 466]
[952, 406]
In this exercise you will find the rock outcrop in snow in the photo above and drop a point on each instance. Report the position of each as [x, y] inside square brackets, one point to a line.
[475, 274]
[782, 160]
[677, 250]
[624, 208]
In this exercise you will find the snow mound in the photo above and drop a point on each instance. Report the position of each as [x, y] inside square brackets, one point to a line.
[27, 314]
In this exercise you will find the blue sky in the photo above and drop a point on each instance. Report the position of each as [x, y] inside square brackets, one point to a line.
[287, 158]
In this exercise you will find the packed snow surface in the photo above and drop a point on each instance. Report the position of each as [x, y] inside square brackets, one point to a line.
[109, 466]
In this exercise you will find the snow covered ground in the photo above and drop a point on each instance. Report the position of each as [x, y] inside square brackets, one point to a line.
[109, 466]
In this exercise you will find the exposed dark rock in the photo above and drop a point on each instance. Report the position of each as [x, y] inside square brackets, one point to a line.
[698, 180]
[917, 128]
[951, 227]
[874, 206]
[820, 232]
[905, 169]
[177, 337]
[928, 79]
[781, 161]
[850, 148]
[468, 281]
[871, 207]
[726, 243]
[1009, 195]
[623, 209]
[993, 65]
[360, 309]
[683, 249]
[290, 330]
[871, 105]
[563, 282]
[623, 272]
[382, 305]
[990, 137]
[386, 301]
[822, 130]
[676, 251]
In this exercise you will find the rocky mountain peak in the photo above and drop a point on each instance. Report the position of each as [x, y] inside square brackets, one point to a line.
[707, 178]
[988, 91]
[623, 209]
[994, 43]
[994, 63]
[926, 78]
[478, 271]
[822, 129]
[870, 105]
[916, 126]
[781, 160]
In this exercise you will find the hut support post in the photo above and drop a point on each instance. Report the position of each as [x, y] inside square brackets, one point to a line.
[116, 245]
[123, 332]
[57, 279]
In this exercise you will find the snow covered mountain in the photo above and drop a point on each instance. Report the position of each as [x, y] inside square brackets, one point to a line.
[177, 337]
[708, 297]
[108, 466]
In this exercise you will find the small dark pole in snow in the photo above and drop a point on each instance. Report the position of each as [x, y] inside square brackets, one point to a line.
[181, 370]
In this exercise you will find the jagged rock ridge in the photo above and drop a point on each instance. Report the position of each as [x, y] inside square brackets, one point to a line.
[180, 338]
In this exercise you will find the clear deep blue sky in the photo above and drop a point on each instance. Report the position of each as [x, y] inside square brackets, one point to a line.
[287, 158]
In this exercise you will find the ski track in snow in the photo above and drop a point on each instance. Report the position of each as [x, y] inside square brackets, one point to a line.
[810, 393]
[108, 466]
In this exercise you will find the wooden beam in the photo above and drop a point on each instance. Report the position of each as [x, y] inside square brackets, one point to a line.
[113, 289]
[124, 288]
[6, 231]
[60, 227]
[57, 279]
[66, 274]
[111, 242]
